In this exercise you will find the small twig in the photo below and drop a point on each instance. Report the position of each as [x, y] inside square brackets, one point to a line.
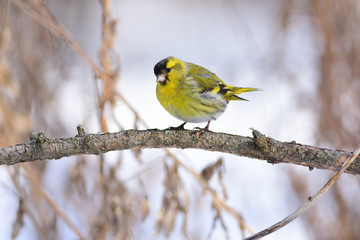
[310, 201]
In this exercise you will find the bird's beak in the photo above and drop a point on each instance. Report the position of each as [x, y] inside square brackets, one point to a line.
[161, 77]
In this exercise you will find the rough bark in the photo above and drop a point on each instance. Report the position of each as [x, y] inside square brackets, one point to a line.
[259, 146]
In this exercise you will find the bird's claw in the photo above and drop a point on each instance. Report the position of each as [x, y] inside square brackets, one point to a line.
[175, 128]
[181, 127]
[205, 129]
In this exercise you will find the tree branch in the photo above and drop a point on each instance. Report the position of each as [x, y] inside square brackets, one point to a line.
[260, 147]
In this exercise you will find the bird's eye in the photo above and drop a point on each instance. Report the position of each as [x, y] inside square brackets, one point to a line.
[168, 70]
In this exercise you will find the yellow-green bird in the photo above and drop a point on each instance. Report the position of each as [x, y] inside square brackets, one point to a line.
[192, 93]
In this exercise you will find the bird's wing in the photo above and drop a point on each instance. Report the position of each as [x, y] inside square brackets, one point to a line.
[205, 79]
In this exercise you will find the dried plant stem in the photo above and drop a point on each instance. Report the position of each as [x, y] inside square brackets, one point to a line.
[44, 17]
[310, 201]
[217, 201]
[106, 95]
[108, 35]
[31, 176]
[24, 195]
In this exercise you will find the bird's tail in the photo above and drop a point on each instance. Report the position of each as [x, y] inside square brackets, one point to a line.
[238, 90]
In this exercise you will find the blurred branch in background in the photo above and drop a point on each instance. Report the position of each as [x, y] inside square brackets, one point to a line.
[338, 88]
[338, 121]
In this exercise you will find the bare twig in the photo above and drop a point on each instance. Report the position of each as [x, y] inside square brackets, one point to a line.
[310, 201]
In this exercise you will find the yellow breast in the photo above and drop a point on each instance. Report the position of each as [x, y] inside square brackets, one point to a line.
[184, 103]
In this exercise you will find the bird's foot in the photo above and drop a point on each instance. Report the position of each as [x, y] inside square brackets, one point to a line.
[206, 128]
[181, 127]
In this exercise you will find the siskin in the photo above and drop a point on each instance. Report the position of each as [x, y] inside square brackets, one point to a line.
[192, 93]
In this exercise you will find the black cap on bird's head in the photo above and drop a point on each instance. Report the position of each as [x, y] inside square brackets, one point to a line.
[160, 66]
[161, 71]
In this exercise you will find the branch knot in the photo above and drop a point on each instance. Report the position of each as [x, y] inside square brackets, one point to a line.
[38, 137]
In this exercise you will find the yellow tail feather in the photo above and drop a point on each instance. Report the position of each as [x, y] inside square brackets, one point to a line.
[238, 90]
